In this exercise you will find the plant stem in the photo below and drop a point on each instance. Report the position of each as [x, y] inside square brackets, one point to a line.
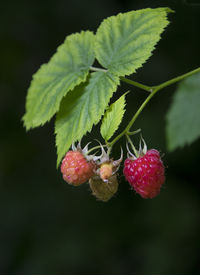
[98, 69]
[129, 81]
[155, 89]
[136, 84]
[174, 80]
[150, 88]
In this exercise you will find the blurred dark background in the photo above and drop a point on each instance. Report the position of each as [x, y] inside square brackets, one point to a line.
[50, 228]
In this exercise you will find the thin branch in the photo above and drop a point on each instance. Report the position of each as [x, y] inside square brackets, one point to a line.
[136, 84]
[155, 89]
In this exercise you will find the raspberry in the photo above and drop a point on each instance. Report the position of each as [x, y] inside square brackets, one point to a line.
[145, 174]
[106, 166]
[102, 190]
[76, 169]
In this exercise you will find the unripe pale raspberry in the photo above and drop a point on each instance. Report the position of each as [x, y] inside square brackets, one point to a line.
[106, 170]
[145, 174]
[104, 190]
[76, 169]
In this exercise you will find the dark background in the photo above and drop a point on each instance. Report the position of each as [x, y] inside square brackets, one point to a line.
[50, 228]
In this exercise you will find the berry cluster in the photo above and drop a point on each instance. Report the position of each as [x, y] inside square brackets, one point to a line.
[145, 172]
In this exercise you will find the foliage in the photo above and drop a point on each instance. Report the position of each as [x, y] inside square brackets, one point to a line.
[183, 118]
[124, 42]
[67, 87]
[113, 118]
[68, 67]
[82, 108]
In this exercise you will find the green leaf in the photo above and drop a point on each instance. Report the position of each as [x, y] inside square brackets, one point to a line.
[124, 42]
[82, 108]
[183, 118]
[68, 67]
[113, 118]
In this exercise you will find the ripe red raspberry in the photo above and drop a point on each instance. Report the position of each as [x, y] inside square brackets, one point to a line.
[145, 174]
[76, 169]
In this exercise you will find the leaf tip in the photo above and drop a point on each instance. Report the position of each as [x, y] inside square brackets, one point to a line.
[169, 10]
[25, 123]
[58, 163]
